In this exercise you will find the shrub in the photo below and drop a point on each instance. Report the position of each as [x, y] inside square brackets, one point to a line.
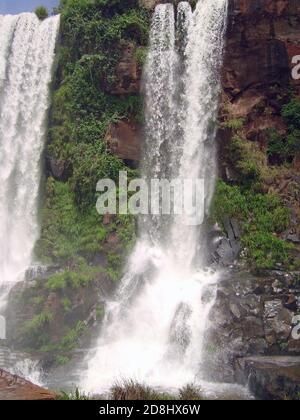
[230, 201]
[266, 250]
[291, 114]
[190, 392]
[66, 304]
[66, 232]
[234, 124]
[79, 276]
[247, 160]
[62, 360]
[293, 142]
[141, 55]
[277, 148]
[74, 395]
[70, 340]
[261, 217]
[41, 12]
[34, 331]
[281, 148]
[132, 390]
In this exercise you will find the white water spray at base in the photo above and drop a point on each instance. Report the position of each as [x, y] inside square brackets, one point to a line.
[154, 330]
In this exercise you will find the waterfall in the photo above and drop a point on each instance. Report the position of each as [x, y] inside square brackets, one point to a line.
[26, 59]
[154, 329]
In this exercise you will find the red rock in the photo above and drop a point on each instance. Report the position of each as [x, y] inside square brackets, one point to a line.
[13, 387]
[128, 72]
[112, 239]
[107, 219]
[123, 139]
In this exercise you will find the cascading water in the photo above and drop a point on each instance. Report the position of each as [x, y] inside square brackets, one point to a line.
[26, 59]
[154, 330]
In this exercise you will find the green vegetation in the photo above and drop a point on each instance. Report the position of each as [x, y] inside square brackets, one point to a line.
[71, 396]
[291, 114]
[62, 360]
[79, 276]
[257, 195]
[283, 148]
[94, 34]
[65, 231]
[234, 124]
[35, 335]
[141, 55]
[262, 217]
[34, 331]
[132, 390]
[66, 304]
[247, 160]
[70, 340]
[41, 12]
[190, 392]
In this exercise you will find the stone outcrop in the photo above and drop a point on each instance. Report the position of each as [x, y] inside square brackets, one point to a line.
[128, 72]
[262, 38]
[13, 387]
[271, 378]
[253, 316]
[38, 316]
[124, 140]
[61, 170]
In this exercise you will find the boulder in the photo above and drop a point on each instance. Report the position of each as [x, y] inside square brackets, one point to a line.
[270, 377]
[13, 387]
[128, 73]
[123, 140]
[252, 315]
[61, 170]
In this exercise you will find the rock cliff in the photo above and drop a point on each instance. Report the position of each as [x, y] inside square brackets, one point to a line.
[254, 314]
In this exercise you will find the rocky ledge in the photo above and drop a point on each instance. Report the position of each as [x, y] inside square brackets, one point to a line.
[13, 387]
[271, 377]
[254, 337]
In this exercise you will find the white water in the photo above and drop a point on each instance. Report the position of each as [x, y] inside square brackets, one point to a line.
[26, 59]
[154, 330]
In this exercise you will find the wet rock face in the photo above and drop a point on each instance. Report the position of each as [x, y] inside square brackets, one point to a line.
[128, 73]
[262, 38]
[15, 388]
[38, 316]
[273, 378]
[61, 170]
[123, 139]
[253, 316]
[225, 247]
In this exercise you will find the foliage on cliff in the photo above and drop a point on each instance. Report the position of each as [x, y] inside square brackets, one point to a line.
[256, 194]
[84, 250]
[93, 36]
